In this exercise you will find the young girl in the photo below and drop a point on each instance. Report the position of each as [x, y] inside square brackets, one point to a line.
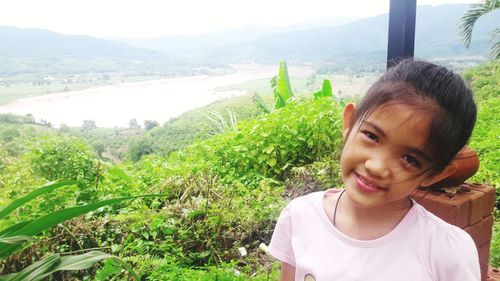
[404, 134]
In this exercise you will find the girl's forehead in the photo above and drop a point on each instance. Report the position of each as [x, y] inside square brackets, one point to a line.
[401, 112]
[402, 122]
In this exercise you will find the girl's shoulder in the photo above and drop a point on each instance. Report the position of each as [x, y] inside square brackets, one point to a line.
[442, 234]
[452, 251]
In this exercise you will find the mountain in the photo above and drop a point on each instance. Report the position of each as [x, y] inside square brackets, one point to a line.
[191, 45]
[334, 44]
[45, 52]
[366, 39]
[353, 44]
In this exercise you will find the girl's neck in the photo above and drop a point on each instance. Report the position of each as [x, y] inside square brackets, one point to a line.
[366, 223]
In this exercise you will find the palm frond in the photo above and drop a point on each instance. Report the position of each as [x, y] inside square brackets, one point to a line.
[495, 44]
[467, 21]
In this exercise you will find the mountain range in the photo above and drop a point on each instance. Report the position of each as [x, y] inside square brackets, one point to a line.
[335, 42]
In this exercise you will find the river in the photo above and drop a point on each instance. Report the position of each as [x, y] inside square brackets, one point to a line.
[160, 100]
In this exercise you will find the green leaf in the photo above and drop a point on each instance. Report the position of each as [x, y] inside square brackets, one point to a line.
[47, 266]
[284, 87]
[36, 270]
[54, 218]
[279, 102]
[35, 193]
[196, 214]
[326, 90]
[282, 90]
[15, 239]
[81, 262]
[272, 162]
[257, 99]
[13, 228]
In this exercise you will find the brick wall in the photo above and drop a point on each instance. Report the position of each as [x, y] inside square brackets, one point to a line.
[470, 209]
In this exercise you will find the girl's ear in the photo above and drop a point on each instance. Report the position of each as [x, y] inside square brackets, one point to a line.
[446, 172]
[348, 111]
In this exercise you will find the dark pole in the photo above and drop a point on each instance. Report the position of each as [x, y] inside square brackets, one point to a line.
[401, 30]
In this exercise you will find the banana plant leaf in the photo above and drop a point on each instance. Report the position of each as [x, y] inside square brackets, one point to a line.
[280, 84]
[283, 83]
[326, 90]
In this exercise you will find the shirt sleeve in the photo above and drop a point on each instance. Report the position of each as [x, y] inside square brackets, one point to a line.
[456, 257]
[281, 241]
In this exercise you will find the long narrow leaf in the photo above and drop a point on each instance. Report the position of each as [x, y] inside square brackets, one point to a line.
[128, 268]
[54, 218]
[35, 193]
[468, 20]
[279, 102]
[35, 270]
[83, 261]
[261, 104]
[87, 260]
[327, 88]
[6, 232]
[284, 87]
[46, 267]
[18, 239]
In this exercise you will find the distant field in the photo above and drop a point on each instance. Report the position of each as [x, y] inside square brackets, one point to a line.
[13, 88]
[344, 85]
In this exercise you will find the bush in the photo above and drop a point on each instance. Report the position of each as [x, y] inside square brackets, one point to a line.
[66, 158]
[270, 145]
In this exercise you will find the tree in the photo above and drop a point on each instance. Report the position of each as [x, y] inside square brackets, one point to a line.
[470, 17]
[133, 124]
[140, 146]
[89, 125]
[150, 124]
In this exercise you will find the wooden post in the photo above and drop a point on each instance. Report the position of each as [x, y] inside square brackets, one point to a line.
[401, 43]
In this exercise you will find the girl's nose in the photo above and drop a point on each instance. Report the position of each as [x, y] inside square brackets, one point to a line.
[377, 168]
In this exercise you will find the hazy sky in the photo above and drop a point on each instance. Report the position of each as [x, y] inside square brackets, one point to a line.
[150, 18]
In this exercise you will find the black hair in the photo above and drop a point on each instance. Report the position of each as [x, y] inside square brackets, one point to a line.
[435, 89]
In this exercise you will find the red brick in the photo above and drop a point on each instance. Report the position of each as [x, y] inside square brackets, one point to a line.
[452, 208]
[481, 231]
[475, 232]
[493, 274]
[477, 204]
[489, 198]
[486, 229]
[484, 255]
[484, 273]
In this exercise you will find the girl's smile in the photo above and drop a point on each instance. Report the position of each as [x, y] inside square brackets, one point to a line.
[366, 184]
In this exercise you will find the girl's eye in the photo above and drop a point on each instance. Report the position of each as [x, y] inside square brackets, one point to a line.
[371, 136]
[411, 161]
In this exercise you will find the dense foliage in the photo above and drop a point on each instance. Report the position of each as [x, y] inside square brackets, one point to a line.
[485, 83]
[221, 192]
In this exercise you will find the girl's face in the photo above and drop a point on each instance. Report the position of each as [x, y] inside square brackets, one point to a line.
[383, 160]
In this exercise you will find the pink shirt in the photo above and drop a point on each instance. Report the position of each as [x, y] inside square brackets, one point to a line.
[421, 247]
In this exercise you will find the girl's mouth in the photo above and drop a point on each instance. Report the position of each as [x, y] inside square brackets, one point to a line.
[366, 185]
